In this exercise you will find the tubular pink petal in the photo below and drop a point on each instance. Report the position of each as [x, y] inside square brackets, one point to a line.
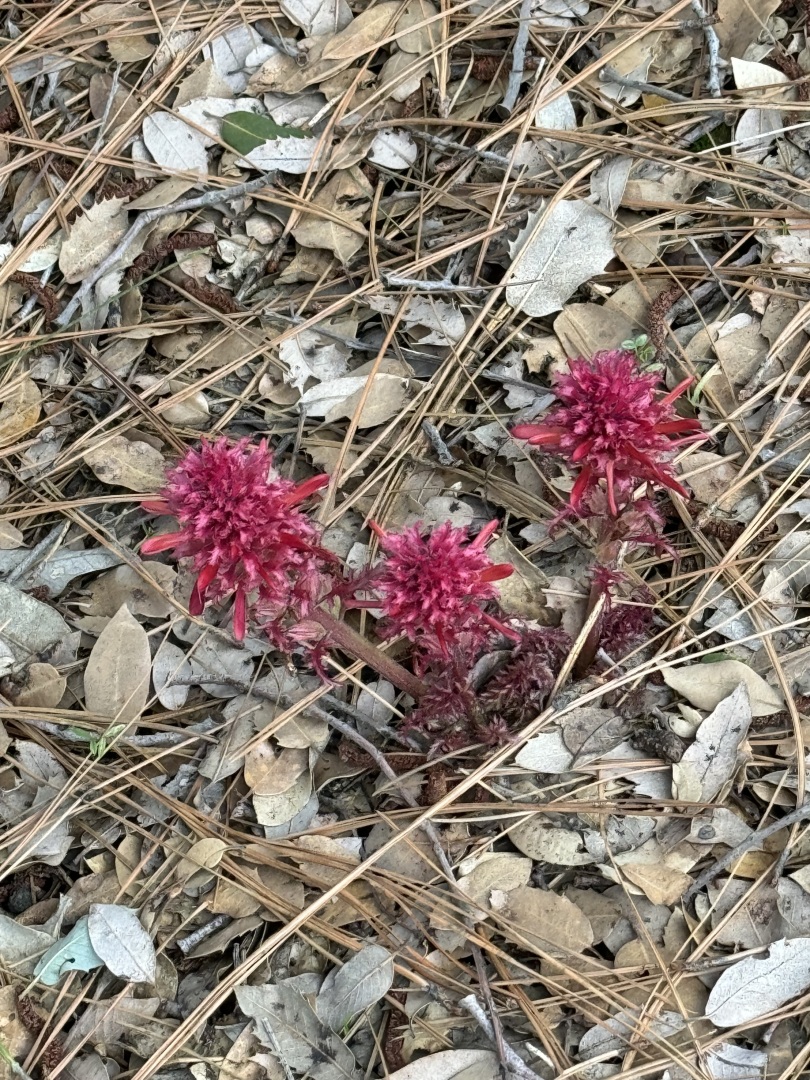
[197, 600]
[163, 542]
[581, 485]
[502, 628]
[684, 384]
[582, 451]
[497, 572]
[673, 427]
[305, 489]
[485, 534]
[156, 506]
[537, 434]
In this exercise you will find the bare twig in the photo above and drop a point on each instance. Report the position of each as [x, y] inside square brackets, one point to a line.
[518, 57]
[515, 1063]
[428, 286]
[713, 46]
[211, 198]
[438, 143]
[155, 738]
[202, 933]
[801, 813]
[610, 74]
[438, 443]
[46, 547]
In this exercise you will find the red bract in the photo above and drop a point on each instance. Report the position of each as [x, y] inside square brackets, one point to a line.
[432, 585]
[611, 423]
[243, 530]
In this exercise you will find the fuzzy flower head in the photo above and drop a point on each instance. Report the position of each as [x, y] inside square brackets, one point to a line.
[612, 423]
[432, 585]
[243, 530]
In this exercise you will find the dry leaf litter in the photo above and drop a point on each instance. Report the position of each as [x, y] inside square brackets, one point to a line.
[554, 825]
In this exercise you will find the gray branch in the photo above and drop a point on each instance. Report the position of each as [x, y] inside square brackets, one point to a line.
[518, 57]
[113, 260]
[713, 46]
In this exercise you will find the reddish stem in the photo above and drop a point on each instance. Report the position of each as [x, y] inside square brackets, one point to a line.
[356, 645]
[587, 653]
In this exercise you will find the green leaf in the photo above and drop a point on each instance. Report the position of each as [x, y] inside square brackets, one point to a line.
[244, 131]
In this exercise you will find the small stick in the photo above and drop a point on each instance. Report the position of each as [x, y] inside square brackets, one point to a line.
[429, 286]
[186, 944]
[438, 443]
[156, 738]
[513, 1060]
[438, 143]
[211, 198]
[518, 57]
[801, 813]
[705, 127]
[45, 548]
[382, 764]
[610, 74]
[713, 45]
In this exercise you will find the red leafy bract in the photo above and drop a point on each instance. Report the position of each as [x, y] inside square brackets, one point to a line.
[245, 533]
[612, 423]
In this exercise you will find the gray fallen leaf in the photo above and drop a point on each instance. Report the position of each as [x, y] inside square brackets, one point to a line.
[615, 1034]
[174, 144]
[288, 1025]
[362, 981]
[317, 16]
[705, 685]
[555, 253]
[19, 945]
[27, 625]
[756, 986]
[451, 1065]
[338, 398]
[116, 679]
[92, 237]
[545, 753]
[711, 761]
[122, 943]
[56, 573]
[726, 1061]
[170, 664]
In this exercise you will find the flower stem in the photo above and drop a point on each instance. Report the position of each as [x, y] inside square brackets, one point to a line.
[587, 653]
[356, 645]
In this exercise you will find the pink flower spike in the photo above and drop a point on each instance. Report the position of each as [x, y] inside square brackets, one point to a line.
[244, 533]
[431, 588]
[611, 422]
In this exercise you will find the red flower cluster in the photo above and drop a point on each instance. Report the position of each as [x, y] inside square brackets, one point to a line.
[431, 587]
[612, 424]
[244, 532]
